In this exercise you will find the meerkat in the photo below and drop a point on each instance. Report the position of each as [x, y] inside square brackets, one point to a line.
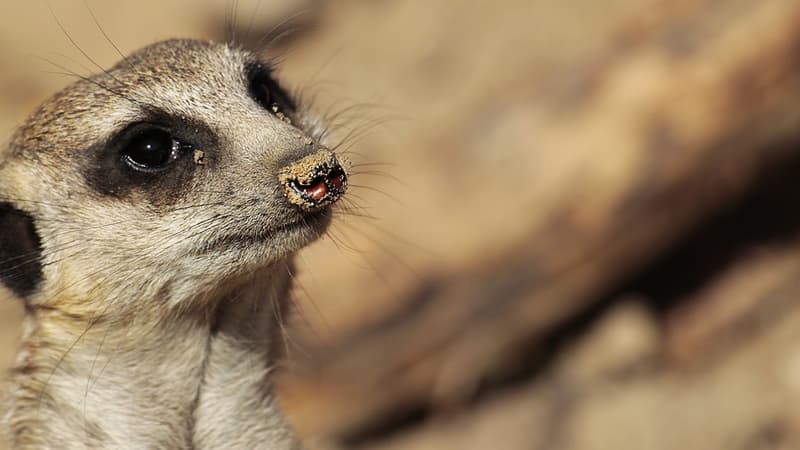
[149, 219]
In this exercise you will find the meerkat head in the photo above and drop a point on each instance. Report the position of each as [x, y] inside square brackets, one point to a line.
[182, 168]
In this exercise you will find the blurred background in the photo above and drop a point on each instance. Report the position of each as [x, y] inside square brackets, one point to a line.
[573, 224]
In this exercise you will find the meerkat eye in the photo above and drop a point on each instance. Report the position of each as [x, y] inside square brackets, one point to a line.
[150, 149]
[260, 92]
[268, 93]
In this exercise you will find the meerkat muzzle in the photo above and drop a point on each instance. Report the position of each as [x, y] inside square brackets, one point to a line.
[314, 181]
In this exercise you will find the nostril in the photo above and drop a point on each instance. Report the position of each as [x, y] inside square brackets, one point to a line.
[314, 181]
[317, 191]
[337, 181]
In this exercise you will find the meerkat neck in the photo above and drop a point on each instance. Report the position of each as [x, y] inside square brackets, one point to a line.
[198, 380]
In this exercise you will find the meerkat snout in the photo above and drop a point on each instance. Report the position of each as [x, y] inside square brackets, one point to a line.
[314, 181]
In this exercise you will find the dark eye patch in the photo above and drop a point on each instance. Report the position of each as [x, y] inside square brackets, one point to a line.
[152, 157]
[267, 92]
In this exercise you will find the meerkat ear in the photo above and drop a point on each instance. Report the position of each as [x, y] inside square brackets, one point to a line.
[20, 251]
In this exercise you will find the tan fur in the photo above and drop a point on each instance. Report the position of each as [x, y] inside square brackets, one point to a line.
[155, 323]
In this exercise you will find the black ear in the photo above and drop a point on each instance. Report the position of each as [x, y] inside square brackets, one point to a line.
[20, 251]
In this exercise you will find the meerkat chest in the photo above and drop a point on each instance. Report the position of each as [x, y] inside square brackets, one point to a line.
[106, 394]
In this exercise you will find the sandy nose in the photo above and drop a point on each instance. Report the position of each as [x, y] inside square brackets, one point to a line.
[314, 181]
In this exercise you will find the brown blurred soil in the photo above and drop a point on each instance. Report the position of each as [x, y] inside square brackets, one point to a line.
[582, 227]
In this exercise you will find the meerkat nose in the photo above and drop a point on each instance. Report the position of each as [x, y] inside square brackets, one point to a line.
[314, 181]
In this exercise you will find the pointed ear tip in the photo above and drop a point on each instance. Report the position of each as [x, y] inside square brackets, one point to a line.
[20, 251]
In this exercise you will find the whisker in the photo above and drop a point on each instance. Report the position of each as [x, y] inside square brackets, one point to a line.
[252, 19]
[75, 44]
[89, 379]
[370, 164]
[297, 284]
[380, 174]
[94, 82]
[102, 31]
[310, 80]
[359, 132]
[388, 252]
[262, 47]
[378, 191]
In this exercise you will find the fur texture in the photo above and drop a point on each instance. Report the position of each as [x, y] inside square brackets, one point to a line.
[153, 323]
